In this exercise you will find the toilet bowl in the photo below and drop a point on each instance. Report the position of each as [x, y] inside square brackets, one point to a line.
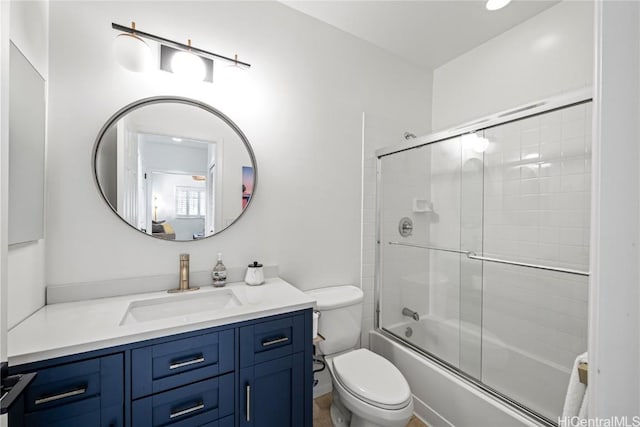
[368, 390]
[371, 389]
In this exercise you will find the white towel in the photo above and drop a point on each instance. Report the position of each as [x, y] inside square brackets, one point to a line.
[575, 404]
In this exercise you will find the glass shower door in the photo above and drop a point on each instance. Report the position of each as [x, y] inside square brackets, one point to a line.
[536, 211]
[491, 274]
[420, 272]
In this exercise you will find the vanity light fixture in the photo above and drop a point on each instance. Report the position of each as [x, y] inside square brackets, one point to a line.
[131, 51]
[182, 58]
[497, 4]
[188, 65]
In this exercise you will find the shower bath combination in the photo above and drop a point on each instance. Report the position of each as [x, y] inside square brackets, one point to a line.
[491, 281]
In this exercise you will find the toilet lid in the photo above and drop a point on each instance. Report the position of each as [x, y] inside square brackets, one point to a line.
[372, 378]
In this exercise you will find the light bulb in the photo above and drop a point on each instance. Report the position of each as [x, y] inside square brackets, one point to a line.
[188, 65]
[497, 4]
[132, 52]
[480, 145]
[476, 143]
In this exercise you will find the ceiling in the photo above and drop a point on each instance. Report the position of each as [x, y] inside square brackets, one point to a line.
[427, 33]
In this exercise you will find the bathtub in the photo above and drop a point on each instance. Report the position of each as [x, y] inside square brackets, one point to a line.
[445, 398]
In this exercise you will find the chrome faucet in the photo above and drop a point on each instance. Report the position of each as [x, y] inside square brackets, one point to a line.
[183, 284]
[410, 313]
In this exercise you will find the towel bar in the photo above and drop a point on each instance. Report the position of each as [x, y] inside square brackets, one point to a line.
[473, 255]
[583, 372]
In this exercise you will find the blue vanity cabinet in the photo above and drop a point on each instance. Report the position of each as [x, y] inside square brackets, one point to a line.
[83, 393]
[254, 373]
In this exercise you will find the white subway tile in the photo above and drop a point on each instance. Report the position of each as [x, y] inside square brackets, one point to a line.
[573, 146]
[573, 183]
[573, 129]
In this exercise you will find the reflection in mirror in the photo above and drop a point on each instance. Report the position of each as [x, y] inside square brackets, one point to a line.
[174, 169]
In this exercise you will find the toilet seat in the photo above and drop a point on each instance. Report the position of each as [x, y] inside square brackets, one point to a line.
[372, 378]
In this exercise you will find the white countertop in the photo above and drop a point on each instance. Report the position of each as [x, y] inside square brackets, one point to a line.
[76, 327]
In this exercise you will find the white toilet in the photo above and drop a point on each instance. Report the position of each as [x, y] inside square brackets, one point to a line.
[368, 390]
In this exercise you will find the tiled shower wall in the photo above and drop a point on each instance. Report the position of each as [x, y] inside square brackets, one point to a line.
[537, 181]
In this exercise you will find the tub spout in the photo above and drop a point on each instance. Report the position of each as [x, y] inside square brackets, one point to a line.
[410, 313]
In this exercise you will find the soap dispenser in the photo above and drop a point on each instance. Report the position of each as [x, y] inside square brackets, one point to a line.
[219, 273]
[255, 274]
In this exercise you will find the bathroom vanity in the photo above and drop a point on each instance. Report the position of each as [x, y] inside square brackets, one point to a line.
[237, 356]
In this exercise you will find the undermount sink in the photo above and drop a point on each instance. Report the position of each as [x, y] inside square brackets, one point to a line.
[180, 306]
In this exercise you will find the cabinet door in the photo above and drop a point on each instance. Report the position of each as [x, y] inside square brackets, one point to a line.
[272, 393]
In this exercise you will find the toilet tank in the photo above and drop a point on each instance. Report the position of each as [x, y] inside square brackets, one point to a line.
[340, 320]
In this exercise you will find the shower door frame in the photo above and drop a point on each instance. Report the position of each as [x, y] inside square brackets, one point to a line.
[528, 110]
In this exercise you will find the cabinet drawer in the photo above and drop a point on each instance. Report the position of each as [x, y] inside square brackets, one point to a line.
[100, 378]
[271, 340]
[164, 366]
[83, 413]
[196, 404]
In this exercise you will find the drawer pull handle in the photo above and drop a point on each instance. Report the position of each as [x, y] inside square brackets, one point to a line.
[64, 395]
[276, 341]
[199, 359]
[248, 403]
[199, 406]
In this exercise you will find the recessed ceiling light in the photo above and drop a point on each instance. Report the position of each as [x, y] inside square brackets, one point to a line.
[497, 4]
[177, 139]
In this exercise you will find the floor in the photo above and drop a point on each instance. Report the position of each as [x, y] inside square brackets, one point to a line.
[322, 418]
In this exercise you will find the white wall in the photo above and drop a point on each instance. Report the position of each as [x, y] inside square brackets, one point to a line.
[301, 110]
[29, 31]
[547, 55]
[614, 341]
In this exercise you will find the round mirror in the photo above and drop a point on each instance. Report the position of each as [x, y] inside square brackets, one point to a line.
[174, 168]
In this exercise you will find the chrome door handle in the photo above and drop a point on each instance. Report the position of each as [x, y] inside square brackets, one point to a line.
[248, 408]
[64, 395]
[275, 341]
[199, 359]
[197, 407]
